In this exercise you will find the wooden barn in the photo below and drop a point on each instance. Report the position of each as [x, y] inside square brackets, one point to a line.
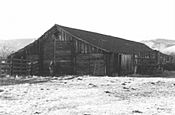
[63, 50]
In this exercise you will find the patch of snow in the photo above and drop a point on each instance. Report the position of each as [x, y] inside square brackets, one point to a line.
[90, 95]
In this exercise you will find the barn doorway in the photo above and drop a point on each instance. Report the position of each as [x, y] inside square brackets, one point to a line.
[117, 63]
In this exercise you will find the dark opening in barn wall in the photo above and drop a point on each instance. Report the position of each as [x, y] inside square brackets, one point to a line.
[127, 64]
[117, 64]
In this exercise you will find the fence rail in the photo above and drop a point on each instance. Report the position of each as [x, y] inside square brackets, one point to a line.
[4, 67]
[18, 67]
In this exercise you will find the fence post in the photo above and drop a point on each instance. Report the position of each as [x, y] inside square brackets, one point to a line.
[0, 68]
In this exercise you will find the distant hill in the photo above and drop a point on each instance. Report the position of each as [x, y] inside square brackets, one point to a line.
[162, 45]
[8, 46]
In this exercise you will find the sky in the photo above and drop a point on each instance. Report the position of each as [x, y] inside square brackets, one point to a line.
[135, 20]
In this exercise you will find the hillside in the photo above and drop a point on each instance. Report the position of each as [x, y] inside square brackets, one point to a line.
[162, 45]
[7, 46]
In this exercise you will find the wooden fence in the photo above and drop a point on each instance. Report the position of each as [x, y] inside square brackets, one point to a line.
[18, 67]
[4, 67]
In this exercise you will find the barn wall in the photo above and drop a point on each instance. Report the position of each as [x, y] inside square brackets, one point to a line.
[127, 66]
[88, 59]
[116, 61]
[56, 48]
[120, 64]
[110, 64]
[46, 51]
[73, 56]
[91, 64]
[63, 57]
[47, 55]
[147, 62]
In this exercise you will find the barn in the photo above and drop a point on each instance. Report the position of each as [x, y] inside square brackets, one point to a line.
[68, 51]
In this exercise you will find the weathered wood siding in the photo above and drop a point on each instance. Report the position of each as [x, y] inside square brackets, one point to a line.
[92, 64]
[147, 62]
[116, 64]
[127, 66]
[73, 56]
[63, 53]
[47, 54]
[63, 57]
[34, 64]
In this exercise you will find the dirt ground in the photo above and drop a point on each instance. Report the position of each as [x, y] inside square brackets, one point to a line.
[89, 95]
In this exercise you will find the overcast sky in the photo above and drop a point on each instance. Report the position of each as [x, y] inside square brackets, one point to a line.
[130, 19]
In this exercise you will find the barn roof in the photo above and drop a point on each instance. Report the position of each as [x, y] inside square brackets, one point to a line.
[110, 43]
